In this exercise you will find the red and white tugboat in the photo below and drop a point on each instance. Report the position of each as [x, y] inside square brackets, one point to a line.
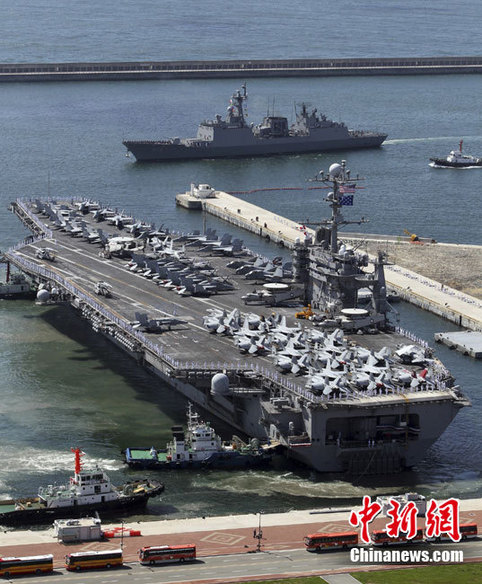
[89, 490]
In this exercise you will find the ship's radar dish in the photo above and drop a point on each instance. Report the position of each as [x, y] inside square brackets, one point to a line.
[220, 384]
[43, 295]
[335, 170]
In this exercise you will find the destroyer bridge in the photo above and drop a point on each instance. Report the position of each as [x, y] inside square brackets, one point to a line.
[336, 400]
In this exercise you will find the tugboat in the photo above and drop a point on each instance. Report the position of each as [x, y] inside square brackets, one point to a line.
[233, 136]
[199, 447]
[456, 159]
[89, 490]
[16, 285]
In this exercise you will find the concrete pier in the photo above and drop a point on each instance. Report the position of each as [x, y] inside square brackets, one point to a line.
[467, 342]
[250, 217]
[460, 308]
[237, 69]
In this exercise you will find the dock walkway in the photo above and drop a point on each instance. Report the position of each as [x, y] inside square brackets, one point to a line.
[460, 308]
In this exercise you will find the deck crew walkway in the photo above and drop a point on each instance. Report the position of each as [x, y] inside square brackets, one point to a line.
[460, 308]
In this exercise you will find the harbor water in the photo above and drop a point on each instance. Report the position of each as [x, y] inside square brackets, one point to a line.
[60, 384]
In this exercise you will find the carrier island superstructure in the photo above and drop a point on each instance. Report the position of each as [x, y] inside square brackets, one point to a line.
[346, 392]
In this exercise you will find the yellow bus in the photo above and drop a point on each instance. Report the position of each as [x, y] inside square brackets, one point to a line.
[93, 560]
[26, 565]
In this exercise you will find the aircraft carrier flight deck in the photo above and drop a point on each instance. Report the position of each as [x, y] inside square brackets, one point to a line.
[217, 323]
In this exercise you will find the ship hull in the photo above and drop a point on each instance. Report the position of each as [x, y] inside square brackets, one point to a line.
[379, 456]
[215, 461]
[442, 162]
[152, 151]
[318, 452]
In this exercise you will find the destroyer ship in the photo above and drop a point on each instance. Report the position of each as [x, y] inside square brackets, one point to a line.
[233, 136]
[343, 392]
[88, 491]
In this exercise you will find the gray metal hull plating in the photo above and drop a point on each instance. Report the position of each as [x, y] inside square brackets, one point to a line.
[257, 419]
[159, 151]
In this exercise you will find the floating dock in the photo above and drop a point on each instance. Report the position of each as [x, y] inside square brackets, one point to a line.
[451, 304]
[467, 342]
[237, 69]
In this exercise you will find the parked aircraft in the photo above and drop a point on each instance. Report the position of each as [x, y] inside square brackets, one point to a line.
[155, 325]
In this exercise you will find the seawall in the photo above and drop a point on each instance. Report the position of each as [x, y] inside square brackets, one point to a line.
[241, 69]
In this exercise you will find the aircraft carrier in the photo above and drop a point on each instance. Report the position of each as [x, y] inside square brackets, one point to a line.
[234, 137]
[341, 389]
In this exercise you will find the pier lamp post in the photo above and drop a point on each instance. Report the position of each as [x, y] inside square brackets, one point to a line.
[258, 534]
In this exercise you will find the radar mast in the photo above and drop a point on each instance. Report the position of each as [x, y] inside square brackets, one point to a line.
[236, 107]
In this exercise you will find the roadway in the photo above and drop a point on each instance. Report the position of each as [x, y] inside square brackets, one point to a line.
[239, 567]
[226, 548]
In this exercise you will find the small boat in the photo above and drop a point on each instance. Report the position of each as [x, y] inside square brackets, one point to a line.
[199, 447]
[16, 285]
[456, 159]
[88, 491]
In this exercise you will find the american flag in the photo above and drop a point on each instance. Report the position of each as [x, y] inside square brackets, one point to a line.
[346, 200]
[345, 189]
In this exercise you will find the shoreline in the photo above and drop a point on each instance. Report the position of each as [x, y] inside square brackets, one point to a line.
[470, 510]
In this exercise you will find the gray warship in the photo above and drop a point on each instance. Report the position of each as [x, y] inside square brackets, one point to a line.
[234, 137]
[346, 391]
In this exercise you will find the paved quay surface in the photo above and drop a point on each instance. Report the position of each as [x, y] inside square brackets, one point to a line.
[227, 535]
[421, 290]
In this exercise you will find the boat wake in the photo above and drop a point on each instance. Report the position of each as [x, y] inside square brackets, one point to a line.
[429, 139]
[48, 461]
[433, 165]
[267, 484]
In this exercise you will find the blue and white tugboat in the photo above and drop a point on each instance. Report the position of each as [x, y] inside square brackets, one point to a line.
[199, 447]
[457, 159]
[88, 491]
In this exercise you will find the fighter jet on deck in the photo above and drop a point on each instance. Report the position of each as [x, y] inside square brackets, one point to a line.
[155, 325]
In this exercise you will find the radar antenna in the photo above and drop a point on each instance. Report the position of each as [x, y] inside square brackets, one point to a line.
[236, 111]
[343, 189]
